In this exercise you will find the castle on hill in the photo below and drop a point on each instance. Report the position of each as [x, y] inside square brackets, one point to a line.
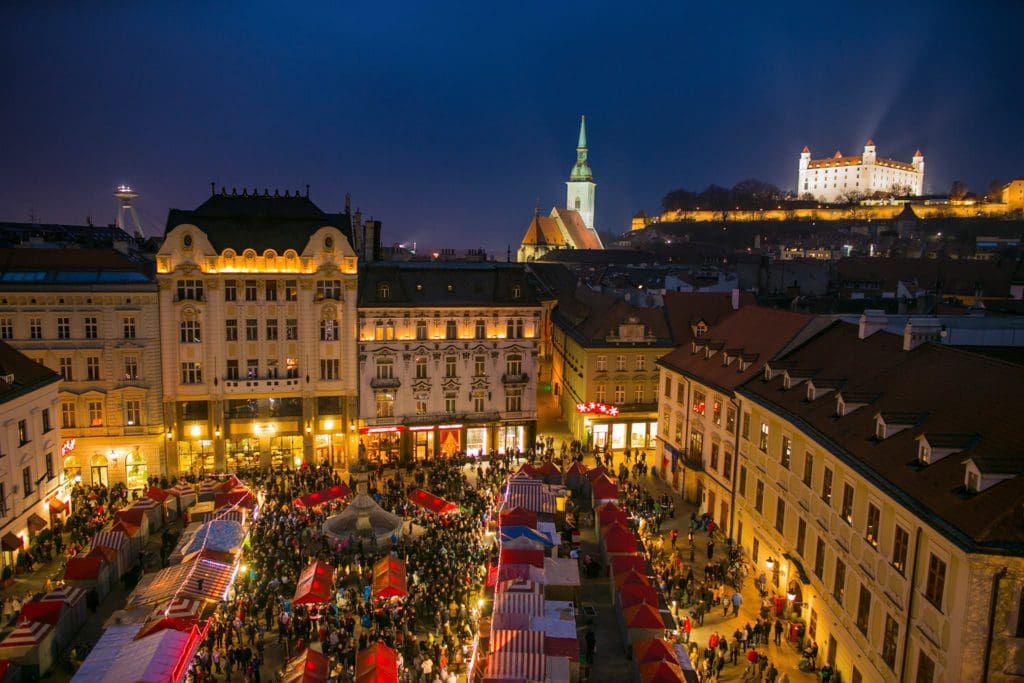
[830, 179]
[571, 227]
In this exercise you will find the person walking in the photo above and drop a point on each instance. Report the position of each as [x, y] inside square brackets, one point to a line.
[711, 549]
[737, 600]
[778, 632]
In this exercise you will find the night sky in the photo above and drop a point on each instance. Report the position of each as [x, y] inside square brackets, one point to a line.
[449, 120]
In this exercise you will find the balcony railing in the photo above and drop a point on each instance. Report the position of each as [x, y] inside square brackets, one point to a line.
[515, 378]
[251, 386]
[385, 382]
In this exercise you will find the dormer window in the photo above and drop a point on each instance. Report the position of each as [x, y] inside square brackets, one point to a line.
[973, 482]
[767, 373]
[383, 291]
[924, 453]
[880, 428]
[517, 291]
[786, 381]
[810, 392]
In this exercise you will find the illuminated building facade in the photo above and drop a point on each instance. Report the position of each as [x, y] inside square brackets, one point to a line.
[447, 359]
[605, 351]
[258, 316]
[830, 179]
[30, 465]
[91, 315]
[880, 490]
[698, 407]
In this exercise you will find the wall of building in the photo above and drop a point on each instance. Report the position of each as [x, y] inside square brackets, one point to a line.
[875, 213]
[27, 460]
[121, 442]
[493, 374]
[270, 415]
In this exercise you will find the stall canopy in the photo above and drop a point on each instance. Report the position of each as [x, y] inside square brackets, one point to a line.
[529, 471]
[221, 535]
[314, 584]
[83, 568]
[630, 577]
[653, 650]
[142, 653]
[156, 493]
[550, 472]
[377, 664]
[23, 638]
[618, 539]
[509, 533]
[309, 667]
[517, 641]
[519, 603]
[529, 494]
[239, 495]
[512, 556]
[638, 594]
[320, 497]
[36, 523]
[623, 563]
[44, 611]
[603, 488]
[198, 579]
[609, 513]
[429, 501]
[517, 517]
[389, 580]
[598, 471]
[642, 616]
[661, 672]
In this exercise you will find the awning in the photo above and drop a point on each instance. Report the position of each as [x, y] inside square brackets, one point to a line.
[309, 667]
[320, 497]
[315, 584]
[36, 523]
[389, 578]
[377, 664]
[11, 542]
[429, 501]
[57, 505]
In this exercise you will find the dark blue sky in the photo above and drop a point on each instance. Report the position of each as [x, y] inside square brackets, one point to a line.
[449, 120]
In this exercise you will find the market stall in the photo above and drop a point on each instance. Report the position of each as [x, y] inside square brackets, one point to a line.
[377, 664]
[315, 584]
[31, 644]
[309, 666]
[325, 496]
[389, 579]
[432, 503]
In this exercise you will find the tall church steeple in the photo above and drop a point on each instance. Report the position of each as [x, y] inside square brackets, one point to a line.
[581, 187]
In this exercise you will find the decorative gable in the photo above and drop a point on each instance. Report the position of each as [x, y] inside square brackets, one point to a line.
[934, 447]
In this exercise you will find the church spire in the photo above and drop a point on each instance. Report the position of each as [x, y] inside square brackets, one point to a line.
[581, 170]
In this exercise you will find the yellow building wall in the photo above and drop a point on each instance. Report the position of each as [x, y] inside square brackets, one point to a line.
[878, 213]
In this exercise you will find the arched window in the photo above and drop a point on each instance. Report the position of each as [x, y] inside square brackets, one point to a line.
[383, 291]
[136, 470]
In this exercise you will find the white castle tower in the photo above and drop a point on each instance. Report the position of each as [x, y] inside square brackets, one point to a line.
[579, 190]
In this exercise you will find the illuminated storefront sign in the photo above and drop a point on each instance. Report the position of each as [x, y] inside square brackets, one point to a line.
[381, 430]
[597, 409]
[67, 447]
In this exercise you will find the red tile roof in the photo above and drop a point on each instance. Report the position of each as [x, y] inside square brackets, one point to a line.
[753, 332]
[929, 382]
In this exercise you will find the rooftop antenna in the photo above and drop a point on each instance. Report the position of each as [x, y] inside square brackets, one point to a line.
[126, 195]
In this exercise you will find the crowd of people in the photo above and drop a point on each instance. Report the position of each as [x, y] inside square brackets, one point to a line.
[446, 558]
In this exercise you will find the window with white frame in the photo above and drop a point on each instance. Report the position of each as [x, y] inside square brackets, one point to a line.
[133, 412]
[68, 415]
[514, 399]
[385, 367]
[63, 327]
[189, 332]
[191, 373]
[95, 413]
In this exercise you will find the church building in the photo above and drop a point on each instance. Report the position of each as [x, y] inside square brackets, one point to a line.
[573, 226]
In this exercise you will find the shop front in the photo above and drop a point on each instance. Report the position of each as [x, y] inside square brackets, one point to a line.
[423, 440]
[382, 444]
[640, 434]
[512, 438]
[196, 456]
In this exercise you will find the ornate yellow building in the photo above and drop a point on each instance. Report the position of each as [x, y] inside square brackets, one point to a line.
[258, 329]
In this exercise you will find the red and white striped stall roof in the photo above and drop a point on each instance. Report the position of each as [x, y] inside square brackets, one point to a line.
[182, 608]
[517, 641]
[519, 585]
[28, 634]
[521, 666]
[108, 539]
[145, 504]
[520, 603]
[69, 595]
[181, 489]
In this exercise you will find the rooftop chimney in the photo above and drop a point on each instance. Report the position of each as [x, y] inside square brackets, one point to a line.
[920, 330]
[871, 321]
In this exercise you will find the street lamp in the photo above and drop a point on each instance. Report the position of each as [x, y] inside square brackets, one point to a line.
[770, 563]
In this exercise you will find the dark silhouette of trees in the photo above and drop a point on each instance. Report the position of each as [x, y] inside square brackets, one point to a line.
[958, 190]
[747, 195]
